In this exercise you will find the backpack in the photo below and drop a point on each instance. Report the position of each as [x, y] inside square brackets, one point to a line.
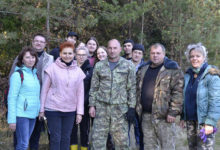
[5, 98]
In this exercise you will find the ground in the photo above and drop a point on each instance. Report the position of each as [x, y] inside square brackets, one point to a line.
[6, 140]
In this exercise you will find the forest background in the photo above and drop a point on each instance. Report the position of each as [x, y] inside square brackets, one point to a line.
[174, 23]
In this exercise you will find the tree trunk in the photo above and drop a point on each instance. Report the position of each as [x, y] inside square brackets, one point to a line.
[48, 24]
[142, 26]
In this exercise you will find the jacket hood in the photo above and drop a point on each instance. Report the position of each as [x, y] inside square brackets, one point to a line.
[168, 64]
[214, 71]
[211, 69]
[26, 69]
[63, 65]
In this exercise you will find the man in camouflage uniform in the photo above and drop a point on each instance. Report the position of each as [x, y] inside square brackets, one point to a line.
[112, 99]
[159, 99]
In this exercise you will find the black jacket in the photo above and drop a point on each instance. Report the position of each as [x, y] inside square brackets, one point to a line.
[55, 53]
[88, 70]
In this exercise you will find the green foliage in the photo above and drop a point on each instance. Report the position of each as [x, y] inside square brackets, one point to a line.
[175, 23]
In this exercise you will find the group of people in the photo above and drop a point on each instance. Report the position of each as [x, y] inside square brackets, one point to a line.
[91, 86]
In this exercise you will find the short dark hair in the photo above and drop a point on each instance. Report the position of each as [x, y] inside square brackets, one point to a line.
[40, 34]
[23, 52]
[65, 45]
[128, 41]
[71, 34]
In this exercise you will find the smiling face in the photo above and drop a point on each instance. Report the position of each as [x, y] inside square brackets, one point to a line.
[67, 54]
[39, 43]
[196, 58]
[29, 60]
[101, 54]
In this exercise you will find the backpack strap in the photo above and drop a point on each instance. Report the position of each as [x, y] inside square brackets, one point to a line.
[21, 75]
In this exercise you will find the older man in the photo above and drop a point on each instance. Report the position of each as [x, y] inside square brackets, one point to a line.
[112, 99]
[159, 99]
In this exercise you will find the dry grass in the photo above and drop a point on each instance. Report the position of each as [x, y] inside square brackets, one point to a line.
[6, 137]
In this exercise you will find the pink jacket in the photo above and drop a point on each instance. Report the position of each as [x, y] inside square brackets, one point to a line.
[63, 88]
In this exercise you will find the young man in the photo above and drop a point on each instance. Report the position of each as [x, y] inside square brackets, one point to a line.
[71, 37]
[159, 99]
[128, 45]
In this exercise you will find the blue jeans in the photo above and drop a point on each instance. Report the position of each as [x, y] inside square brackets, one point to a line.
[24, 128]
[60, 126]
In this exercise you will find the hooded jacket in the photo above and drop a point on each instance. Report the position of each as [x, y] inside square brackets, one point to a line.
[63, 88]
[208, 96]
[23, 98]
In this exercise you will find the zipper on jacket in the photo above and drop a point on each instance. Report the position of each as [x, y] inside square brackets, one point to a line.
[111, 85]
[68, 77]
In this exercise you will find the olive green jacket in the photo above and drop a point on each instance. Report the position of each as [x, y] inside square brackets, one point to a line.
[168, 90]
[113, 87]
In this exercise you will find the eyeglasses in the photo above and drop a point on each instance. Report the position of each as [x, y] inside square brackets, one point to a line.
[81, 55]
[36, 41]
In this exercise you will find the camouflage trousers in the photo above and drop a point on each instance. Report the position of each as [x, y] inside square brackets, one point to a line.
[158, 134]
[110, 119]
[194, 141]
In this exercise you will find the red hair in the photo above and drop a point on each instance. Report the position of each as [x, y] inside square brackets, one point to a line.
[65, 45]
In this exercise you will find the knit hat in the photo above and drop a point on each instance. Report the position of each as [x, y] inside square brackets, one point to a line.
[139, 47]
[129, 41]
[71, 33]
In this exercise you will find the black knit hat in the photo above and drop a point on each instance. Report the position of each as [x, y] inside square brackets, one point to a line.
[71, 33]
[129, 41]
[139, 47]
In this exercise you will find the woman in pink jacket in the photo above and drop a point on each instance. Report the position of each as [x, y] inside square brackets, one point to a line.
[62, 97]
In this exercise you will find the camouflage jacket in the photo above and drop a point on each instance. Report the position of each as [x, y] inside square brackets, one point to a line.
[113, 87]
[168, 91]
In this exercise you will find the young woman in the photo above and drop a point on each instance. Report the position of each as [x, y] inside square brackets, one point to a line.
[62, 97]
[82, 54]
[201, 109]
[92, 44]
[24, 97]
[101, 53]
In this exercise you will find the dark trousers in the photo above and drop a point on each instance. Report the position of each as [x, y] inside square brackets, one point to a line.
[35, 136]
[60, 127]
[84, 131]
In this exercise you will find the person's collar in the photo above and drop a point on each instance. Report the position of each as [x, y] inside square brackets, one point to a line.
[67, 64]
[40, 53]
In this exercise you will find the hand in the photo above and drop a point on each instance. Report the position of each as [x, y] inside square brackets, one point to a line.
[78, 119]
[12, 126]
[182, 123]
[208, 129]
[41, 115]
[130, 115]
[92, 111]
[170, 119]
